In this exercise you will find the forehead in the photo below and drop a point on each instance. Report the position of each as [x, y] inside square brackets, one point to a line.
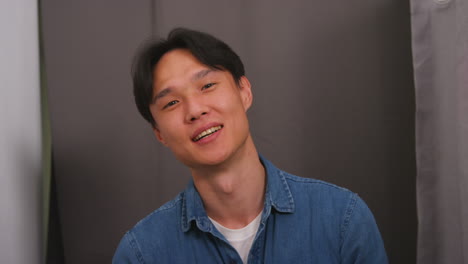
[175, 65]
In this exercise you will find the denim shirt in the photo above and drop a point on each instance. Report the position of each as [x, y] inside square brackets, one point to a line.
[303, 221]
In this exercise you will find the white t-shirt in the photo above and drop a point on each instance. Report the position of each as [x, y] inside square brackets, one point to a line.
[241, 239]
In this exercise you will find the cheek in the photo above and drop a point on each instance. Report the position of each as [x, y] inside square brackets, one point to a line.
[171, 129]
[153, 114]
[165, 128]
[231, 102]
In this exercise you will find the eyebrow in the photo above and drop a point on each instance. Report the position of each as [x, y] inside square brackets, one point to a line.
[161, 94]
[201, 74]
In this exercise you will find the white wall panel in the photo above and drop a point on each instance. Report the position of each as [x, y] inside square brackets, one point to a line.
[20, 134]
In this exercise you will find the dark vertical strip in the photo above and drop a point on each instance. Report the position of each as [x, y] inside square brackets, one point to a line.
[55, 252]
[51, 231]
[46, 135]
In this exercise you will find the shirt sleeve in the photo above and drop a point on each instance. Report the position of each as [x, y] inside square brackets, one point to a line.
[128, 251]
[361, 240]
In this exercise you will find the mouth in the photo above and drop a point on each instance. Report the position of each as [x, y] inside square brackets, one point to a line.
[206, 133]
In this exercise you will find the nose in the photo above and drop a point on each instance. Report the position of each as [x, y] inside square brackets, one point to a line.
[195, 109]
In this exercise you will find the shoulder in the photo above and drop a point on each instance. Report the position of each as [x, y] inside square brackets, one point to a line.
[300, 187]
[327, 201]
[359, 236]
[317, 189]
[164, 218]
[343, 211]
[310, 182]
[150, 232]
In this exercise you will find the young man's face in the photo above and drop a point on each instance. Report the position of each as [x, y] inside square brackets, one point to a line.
[200, 112]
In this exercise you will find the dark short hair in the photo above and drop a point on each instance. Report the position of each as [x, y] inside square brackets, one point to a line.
[209, 50]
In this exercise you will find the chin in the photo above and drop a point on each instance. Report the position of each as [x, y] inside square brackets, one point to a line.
[212, 159]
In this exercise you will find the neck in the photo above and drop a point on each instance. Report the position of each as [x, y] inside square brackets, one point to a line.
[233, 192]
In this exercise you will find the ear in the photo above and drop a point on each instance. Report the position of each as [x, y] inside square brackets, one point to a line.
[245, 92]
[158, 135]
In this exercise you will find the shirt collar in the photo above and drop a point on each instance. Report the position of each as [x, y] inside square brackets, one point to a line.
[277, 195]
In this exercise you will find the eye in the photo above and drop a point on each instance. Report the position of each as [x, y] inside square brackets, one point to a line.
[171, 103]
[206, 86]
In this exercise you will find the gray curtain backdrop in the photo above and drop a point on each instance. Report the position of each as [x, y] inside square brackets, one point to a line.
[440, 54]
[333, 100]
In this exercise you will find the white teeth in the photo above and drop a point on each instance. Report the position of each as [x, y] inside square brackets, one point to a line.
[207, 132]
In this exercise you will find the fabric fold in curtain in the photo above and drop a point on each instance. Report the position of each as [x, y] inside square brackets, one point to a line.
[440, 60]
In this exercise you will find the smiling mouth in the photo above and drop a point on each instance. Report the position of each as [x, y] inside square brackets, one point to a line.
[207, 133]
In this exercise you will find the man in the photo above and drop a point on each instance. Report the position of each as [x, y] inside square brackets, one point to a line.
[238, 208]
